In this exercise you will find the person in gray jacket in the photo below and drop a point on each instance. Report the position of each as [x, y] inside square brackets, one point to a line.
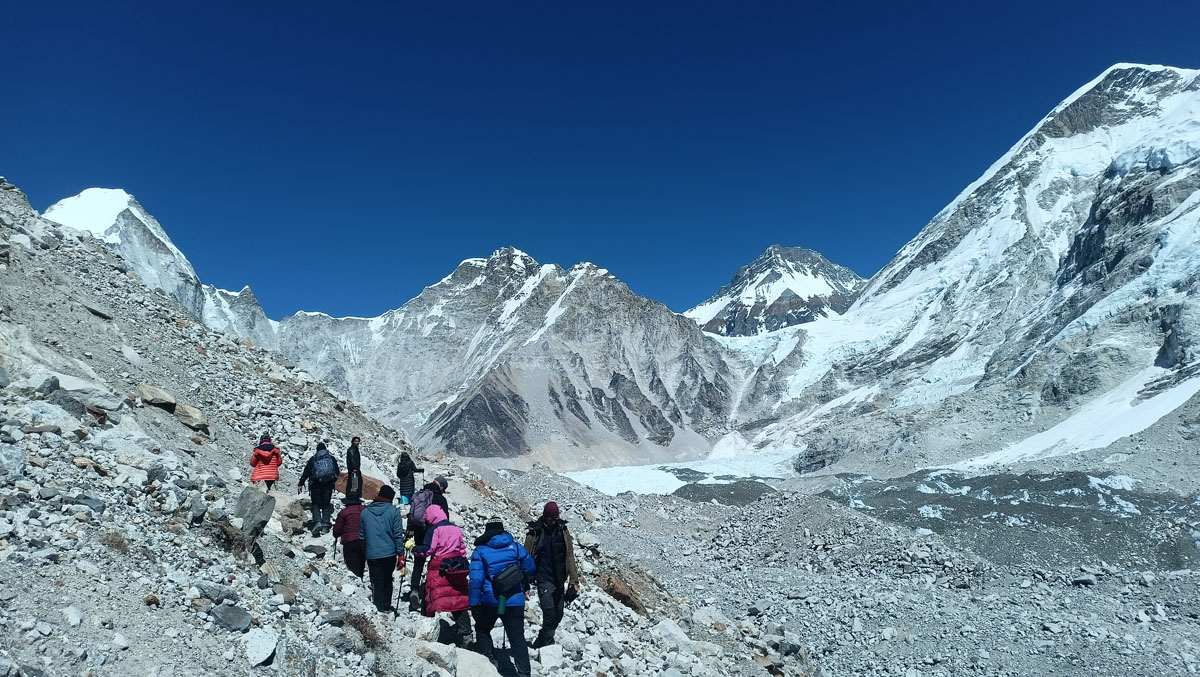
[382, 529]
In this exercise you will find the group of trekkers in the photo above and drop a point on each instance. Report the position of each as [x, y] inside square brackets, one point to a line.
[490, 585]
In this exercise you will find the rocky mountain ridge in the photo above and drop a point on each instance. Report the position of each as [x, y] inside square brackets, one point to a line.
[1060, 279]
[782, 287]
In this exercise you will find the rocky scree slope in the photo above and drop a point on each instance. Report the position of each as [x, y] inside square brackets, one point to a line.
[131, 543]
[847, 575]
[784, 286]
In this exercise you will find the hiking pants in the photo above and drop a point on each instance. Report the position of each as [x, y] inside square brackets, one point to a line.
[355, 554]
[418, 564]
[322, 508]
[381, 581]
[460, 632]
[269, 483]
[514, 628]
[551, 600]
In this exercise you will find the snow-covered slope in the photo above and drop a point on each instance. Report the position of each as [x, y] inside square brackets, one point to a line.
[782, 287]
[116, 218]
[1071, 266]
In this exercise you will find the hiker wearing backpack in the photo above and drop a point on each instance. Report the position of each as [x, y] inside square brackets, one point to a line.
[447, 586]
[432, 494]
[406, 472]
[381, 527]
[320, 472]
[553, 551]
[265, 461]
[354, 549]
[354, 469]
[499, 569]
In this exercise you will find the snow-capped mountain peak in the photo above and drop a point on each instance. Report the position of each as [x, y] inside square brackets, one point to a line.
[116, 218]
[782, 287]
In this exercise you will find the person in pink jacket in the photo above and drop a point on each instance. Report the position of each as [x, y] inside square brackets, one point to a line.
[447, 582]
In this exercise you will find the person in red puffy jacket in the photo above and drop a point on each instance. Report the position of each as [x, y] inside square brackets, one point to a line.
[447, 588]
[265, 462]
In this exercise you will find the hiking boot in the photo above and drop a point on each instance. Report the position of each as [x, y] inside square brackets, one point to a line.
[541, 641]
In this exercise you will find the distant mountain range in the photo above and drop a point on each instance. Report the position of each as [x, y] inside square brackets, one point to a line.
[1059, 288]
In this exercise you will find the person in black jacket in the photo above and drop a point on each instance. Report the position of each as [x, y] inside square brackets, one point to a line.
[553, 549]
[407, 471]
[320, 489]
[354, 469]
[437, 490]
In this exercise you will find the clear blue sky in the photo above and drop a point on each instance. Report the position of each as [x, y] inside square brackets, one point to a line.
[341, 156]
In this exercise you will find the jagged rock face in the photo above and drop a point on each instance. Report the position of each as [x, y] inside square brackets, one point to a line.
[1064, 272]
[505, 357]
[784, 286]
[116, 218]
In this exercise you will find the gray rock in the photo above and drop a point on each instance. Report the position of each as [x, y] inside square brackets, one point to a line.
[132, 356]
[74, 616]
[231, 617]
[12, 462]
[155, 396]
[191, 417]
[254, 508]
[215, 591]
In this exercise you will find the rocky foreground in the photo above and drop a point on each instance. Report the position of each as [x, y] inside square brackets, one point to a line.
[131, 542]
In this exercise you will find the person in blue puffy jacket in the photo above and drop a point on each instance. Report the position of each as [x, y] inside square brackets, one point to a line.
[495, 551]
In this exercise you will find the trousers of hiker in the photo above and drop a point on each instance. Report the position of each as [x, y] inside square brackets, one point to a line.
[381, 527]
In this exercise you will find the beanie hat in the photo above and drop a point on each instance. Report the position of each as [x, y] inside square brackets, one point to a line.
[443, 482]
[386, 493]
[493, 527]
[320, 446]
[266, 437]
[551, 510]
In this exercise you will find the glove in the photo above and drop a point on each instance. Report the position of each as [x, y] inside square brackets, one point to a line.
[399, 564]
[410, 544]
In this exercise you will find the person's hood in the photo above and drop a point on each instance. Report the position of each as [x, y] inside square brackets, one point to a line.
[379, 509]
[404, 456]
[434, 487]
[500, 541]
[265, 446]
[434, 514]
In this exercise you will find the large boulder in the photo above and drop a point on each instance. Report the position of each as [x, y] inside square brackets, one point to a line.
[87, 393]
[370, 487]
[12, 463]
[254, 508]
[191, 417]
[231, 617]
[155, 396]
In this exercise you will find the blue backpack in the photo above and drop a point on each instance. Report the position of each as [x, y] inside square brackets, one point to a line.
[324, 468]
